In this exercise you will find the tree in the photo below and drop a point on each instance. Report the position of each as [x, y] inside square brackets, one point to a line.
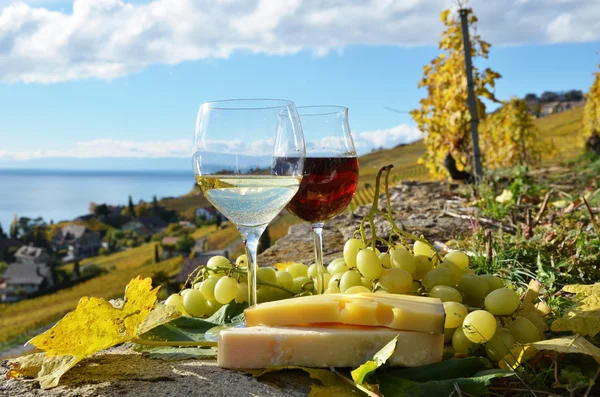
[574, 95]
[444, 117]
[549, 96]
[156, 255]
[509, 137]
[76, 270]
[155, 206]
[101, 210]
[185, 243]
[591, 113]
[218, 220]
[14, 227]
[531, 97]
[2, 235]
[131, 207]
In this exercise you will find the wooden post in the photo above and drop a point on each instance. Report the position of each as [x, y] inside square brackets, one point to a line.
[478, 172]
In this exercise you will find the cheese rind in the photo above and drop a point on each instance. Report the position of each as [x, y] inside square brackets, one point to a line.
[327, 346]
[409, 313]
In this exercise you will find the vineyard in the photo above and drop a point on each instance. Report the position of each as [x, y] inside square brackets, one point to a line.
[30, 314]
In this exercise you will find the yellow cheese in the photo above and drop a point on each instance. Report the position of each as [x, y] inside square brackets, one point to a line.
[405, 312]
[325, 346]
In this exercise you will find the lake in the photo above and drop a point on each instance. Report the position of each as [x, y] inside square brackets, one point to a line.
[64, 195]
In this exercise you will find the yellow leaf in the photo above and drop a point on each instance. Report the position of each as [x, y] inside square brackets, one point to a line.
[528, 307]
[93, 326]
[584, 317]
[569, 344]
[505, 197]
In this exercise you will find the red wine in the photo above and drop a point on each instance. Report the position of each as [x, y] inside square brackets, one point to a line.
[327, 187]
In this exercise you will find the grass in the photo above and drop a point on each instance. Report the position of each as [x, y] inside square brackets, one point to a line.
[33, 313]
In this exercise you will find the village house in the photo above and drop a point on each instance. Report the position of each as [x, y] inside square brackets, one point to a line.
[30, 273]
[549, 108]
[80, 242]
[145, 225]
[210, 214]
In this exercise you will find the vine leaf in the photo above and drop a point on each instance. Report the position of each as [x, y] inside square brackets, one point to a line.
[93, 326]
[584, 316]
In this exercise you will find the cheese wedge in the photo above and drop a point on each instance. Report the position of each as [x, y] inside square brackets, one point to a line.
[333, 345]
[405, 312]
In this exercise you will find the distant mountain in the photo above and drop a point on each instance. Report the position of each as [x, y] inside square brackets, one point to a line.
[108, 164]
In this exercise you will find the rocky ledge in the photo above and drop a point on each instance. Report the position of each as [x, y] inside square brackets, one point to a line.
[418, 207]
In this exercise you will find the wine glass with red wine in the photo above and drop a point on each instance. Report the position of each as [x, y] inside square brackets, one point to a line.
[330, 173]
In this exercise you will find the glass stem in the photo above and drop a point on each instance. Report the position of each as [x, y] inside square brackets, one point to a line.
[251, 235]
[318, 239]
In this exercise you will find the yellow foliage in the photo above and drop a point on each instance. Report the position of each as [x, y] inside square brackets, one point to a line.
[584, 317]
[444, 116]
[591, 111]
[93, 326]
[569, 344]
[529, 310]
[509, 137]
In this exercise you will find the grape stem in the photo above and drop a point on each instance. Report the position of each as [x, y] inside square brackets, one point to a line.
[259, 281]
[388, 215]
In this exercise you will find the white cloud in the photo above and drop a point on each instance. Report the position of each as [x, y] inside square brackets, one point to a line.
[110, 148]
[387, 138]
[110, 38]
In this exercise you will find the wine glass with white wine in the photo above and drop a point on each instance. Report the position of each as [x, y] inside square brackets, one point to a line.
[248, 160]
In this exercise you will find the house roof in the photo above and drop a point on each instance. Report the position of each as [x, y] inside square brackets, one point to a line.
[25, 273]
[76, 231]
[7, 243]
[169, 240]
[30, 251]
[210, 210]
[188, 266]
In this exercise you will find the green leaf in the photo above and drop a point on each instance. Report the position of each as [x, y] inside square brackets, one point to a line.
[392, 386]
[379, 359]
[448, 369]
[181, 329]
[231, 313]
[172, 353]
[328, 385]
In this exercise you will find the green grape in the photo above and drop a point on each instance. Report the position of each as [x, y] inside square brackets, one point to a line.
[368, 264]
[386, 260]
[269, 294]
[473, 287]
[374, 250]
[357, 289]
[524, 331]
[502, 302]
[312, 271]
[185, 291]
[242, 261]
[217, 261]
[367, 283]
[208, 288]
[266, 274]
[396, 281]
[461, 343]
[493, 282]
[334, 290]
[194, 303]
[423, 266]
[420, 248]
[456, 273]
[479, 326]
[402, 259]
[212, 307]
[446, 294]
[460, 259]
[242, 293]
[334, 281]
[338, 267]
[400, 246]
[350, 279]
[500, 345]
[351, 249]
[302, 284]
[284, 279]
[198, 285]
[455, 314]
[326, 279]
[448, 333]
[225, 290]
[337, 260]
[438, 276]
[297, 270]
[176, 301]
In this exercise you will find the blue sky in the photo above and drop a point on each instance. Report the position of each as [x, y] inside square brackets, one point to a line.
[106, 78]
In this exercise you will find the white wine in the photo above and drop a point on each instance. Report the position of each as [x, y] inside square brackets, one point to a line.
[248, 200]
